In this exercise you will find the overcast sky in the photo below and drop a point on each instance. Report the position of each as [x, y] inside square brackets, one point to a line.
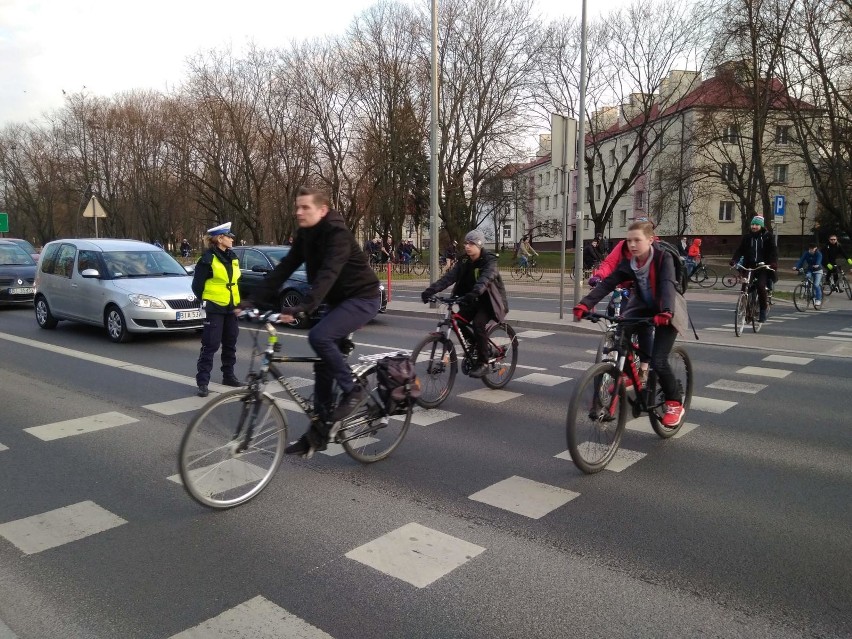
[109, 46]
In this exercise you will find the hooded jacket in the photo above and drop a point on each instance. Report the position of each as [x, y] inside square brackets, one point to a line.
[336, 266]
[756, 247]
[695, 249]
[477, 276]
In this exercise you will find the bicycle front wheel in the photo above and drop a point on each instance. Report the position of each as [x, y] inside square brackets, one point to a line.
[370, 434]
[220, 464]
[535, 272]
[754, 311]
[730, 280]
[801, 298]
[503, 345]
[740, 314]
[844, 286]
[709, 278]
[596, 417]
[681, 367]
[435, 362]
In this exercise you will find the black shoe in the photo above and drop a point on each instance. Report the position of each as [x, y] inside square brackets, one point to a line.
[231, 381]
[202, 391]
[302, 447]
[481, 370]
[348, 403]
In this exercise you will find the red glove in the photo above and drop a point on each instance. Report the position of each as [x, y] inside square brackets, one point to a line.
[580, 311]
[662, 319]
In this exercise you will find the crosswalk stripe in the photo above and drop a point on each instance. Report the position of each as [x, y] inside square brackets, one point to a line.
[524, 496]
[834, 339]
[80, 426]
[534, 334]
[710, 405]
[764, 372]
[543, 380]
[737, 387]
[788, 359]
[490, 396]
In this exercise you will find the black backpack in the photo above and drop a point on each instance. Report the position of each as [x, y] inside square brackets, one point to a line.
[398, 383]
[681, 278]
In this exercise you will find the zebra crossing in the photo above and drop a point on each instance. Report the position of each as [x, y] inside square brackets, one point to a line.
[413, 553]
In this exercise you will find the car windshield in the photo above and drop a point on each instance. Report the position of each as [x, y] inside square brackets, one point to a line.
[142, 264]
[29, 248]
[278, 253]
[14, 255]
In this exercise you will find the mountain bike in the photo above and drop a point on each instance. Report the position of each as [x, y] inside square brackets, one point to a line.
[597, 411]
[704, 276]
[843, 285]
[235, 443]
[748, 303]
[436, 362]
[804, 293]
[531, 270]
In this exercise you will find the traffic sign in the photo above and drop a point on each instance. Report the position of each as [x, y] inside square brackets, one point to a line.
[4, 222]
[780, 206]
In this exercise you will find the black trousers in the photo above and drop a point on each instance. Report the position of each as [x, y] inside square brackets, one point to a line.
[479, 315]
[219, 329]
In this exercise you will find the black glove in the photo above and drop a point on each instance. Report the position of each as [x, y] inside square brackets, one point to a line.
[470, 299]
[426, 295]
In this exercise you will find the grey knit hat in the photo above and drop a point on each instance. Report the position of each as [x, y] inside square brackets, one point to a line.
[475, 237]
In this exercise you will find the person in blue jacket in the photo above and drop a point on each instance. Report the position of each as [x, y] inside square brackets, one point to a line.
[811, 264]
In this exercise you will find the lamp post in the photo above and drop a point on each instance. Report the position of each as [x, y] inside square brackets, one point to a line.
[803, 213]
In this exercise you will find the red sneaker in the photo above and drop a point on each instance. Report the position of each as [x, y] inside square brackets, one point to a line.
[674, 414]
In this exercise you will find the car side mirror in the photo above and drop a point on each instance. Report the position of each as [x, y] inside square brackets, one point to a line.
[90, 272]
[189, 269]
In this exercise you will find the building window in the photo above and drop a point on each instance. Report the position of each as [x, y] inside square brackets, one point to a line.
[780, 173]
[728, 172]
[575, 182]
[507, 230]
[612, 157]
[597, 191]
[622, 218]
[548, 178]
[547, 203]
[586, 224]
[574, 209]
[726, 211]
[640, 200]
[731, 134]
[540, 179]
[782, 134]
[555, 202]
[538, 204]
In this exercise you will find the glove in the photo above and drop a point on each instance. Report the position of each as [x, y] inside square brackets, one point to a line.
[426, 295]
[594, 280]
[470, 299]
[849, 261]
[662, 319]
[580, 311]
[830, 267]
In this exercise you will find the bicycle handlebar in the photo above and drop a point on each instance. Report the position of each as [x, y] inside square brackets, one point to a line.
[760, 266]
[270, 317]
[443, 299]
[615, 319]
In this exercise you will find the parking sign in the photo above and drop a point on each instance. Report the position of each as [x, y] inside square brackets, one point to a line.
[780, 205]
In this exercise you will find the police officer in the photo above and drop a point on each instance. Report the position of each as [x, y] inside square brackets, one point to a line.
[215, 282]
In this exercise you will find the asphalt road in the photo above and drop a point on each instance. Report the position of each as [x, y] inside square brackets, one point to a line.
[738, 528]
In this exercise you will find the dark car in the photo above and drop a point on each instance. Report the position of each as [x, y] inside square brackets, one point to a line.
[29, 248]
[17, 273]
[257, 261]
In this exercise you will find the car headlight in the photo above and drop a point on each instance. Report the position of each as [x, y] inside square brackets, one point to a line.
[146, 301]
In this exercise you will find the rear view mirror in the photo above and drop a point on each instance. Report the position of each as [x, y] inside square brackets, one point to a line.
[90, 272]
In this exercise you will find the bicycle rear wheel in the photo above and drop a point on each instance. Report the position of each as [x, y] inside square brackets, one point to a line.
[681, 366]
[503, 357]
[826, 288]
[435, 362]
[740, 314]
[730, 280]
[596, 416]
[709, 278]
[517, 272]
[801, 299]
[535, 272]
[698, 276]
[220, 467]
[370, 435]
[844, 286]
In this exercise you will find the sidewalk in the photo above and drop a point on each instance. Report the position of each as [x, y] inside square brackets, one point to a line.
[770, 338]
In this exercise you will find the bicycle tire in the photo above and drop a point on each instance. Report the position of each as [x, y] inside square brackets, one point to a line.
[418, 268]
[681, 366]
[597, 413]
[826, 288]
[606, 344]
[502, 366]
[844, 286]
[730, 280]
[535, 272]
[754, 311]
[698, 276]
[740, 314]
[517, 272]
[710, 278]
[800, 300]
[370, 435]
[435, 362]
[212, 471]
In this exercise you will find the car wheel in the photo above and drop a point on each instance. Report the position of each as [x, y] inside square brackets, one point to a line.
[43, 315]
[294, 298]
[116, 325]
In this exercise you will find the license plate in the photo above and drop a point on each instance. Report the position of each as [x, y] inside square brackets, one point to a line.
[188, 315]
[26, 290]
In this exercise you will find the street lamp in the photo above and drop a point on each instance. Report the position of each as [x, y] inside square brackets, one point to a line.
[803, 213]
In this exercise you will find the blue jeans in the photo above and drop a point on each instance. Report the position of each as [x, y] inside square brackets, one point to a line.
[816, 278]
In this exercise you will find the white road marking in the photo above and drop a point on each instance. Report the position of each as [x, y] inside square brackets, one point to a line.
[534, 334]
[710, 405]
[524, 497]
[415, 554]
[788, 359]
[79, 426]
[578, 366]
[834, 339]
[643, 425]
[543, 380]
[490, 396]
[737, 387]
[257, 618]
[764, 372]
[58, 527]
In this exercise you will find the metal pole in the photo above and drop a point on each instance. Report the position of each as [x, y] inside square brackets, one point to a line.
[581, 165]
[433, 161]
[565, 192]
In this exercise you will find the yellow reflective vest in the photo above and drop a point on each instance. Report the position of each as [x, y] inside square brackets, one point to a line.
[219, 289]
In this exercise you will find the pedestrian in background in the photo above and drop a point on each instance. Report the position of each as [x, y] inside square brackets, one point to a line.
[215, 282]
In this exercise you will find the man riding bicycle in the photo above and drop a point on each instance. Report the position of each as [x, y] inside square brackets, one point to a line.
[477, 278]
[831, 256]
[758, 246]
[339, 275]
[811, 264]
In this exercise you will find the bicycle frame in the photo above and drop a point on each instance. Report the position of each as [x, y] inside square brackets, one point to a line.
[453, 321]
[627, 353]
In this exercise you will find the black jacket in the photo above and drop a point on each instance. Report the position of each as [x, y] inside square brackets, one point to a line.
[476, 277]
[755, 248]
[832, 254]
[337, 268]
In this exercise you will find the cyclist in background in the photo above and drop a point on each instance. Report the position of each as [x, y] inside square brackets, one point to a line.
[811, 264]
[758, 246]
[477, 278]
[831, 256]
[693, 256]
[526, 251]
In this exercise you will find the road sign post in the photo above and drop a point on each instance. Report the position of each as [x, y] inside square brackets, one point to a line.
[95, 210]
[4, 222]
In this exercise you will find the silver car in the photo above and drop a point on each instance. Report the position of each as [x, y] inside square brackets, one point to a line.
[126, 286]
